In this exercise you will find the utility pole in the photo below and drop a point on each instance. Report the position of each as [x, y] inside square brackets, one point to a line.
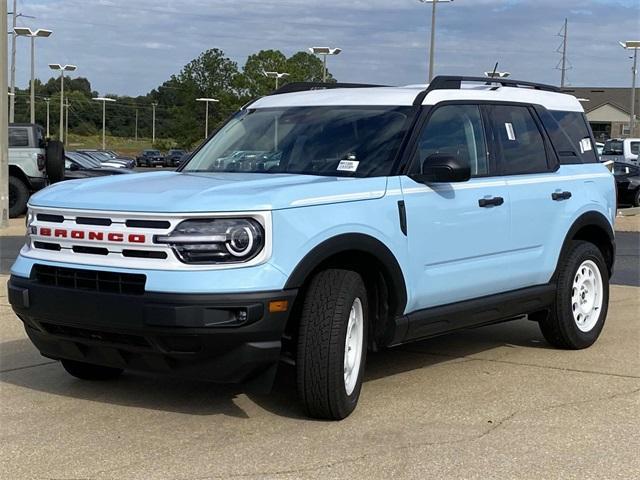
[47, 100]
[12, 99]
[153, 127]
[632, 45]
[4, 127]
[136, 124]
[562, 49]
[432, 46]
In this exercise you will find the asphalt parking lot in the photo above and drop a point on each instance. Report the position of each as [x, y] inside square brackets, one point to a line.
[494, 402]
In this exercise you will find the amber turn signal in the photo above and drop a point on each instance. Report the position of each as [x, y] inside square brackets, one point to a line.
[278, 306]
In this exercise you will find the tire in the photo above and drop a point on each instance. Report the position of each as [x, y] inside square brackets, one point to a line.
[636, 198]
[18, 197]
[571, 323]
[333, 297]
[87, 371]
[55, 161]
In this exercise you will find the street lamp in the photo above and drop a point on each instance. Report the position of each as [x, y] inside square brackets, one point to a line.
[206, 115]
[62, 68]
[276, 75]
[433, 33]
[632, 45]
[497, 74]
[104, 101]
[27, 32]
[324, 51]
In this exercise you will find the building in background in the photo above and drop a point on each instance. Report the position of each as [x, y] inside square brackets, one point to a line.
[608, 110]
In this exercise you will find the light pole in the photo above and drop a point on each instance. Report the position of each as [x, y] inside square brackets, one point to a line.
[27, 32]
[323, 52]
[62, 68]
[153, 123]
[206, 115]
[632, 45]
[497, 74]
[47, 101]
[104, 101]
[4, 123]
[276, 75]
[432, 46]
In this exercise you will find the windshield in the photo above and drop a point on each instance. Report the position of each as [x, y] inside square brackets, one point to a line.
[612, 147]
[84, 160]
[152, 152]
[624, 169]
[331, 141]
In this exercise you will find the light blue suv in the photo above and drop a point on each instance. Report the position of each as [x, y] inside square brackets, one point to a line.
[369, 217]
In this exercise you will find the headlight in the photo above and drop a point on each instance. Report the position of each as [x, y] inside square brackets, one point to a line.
[219, 240]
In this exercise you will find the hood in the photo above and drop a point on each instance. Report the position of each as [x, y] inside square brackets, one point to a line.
[177, 192]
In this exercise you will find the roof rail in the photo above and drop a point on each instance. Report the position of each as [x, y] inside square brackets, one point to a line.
[448, 82]
[306, 86]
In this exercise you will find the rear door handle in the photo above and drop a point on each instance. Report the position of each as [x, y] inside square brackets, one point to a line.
[491, 202]
[561, 196]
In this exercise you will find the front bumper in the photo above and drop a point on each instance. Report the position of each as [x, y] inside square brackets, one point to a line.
[199, 336]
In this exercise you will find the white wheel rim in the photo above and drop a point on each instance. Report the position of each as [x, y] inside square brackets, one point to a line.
[353, 346]
[586, 296]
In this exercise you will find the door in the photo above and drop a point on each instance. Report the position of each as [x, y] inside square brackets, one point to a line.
[457, 232]
[541, 194]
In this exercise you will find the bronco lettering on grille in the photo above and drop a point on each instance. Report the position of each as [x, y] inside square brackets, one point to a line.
[115, 237]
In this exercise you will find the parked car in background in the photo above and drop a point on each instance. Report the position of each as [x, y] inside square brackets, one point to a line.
[623, 150]
[78, 166]
[107, 157]
[627, 183]
[34, 163]
[174, 157]
[150, 158]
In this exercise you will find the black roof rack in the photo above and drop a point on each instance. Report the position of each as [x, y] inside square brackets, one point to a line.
[305, 86]
[448, 82]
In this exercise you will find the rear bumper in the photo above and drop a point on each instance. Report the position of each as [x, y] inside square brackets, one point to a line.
[199, 336]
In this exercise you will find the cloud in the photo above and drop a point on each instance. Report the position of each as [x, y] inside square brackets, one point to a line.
[131, 47]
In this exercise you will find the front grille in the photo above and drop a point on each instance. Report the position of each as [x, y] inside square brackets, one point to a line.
[95, 335]
[90, 280]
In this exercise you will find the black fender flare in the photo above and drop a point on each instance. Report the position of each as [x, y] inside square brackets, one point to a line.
[590, 219]
[353, 242]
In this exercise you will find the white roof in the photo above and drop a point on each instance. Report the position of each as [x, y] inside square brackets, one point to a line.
[404, 96]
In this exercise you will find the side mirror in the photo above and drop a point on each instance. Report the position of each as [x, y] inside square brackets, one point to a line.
[74, 166]
[442, 168]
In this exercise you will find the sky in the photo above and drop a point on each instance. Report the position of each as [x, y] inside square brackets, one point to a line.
[129, 47]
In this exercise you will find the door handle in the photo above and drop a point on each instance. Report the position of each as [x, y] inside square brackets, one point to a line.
[561, 196]
[491, 202]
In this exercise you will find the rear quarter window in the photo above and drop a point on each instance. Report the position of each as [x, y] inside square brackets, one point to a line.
[574, 128]
[634, 148]
[18, 137]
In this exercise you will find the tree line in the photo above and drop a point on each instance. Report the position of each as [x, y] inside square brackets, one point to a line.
[178, 115]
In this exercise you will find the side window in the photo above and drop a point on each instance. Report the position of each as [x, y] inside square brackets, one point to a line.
[634, 148]
[455, 130]
[575, 126]
[18, 137]
[519, 140]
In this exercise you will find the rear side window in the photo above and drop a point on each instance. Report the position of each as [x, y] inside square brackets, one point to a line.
[634, 148]
[575, 126]
[18, 137]
[519, 140]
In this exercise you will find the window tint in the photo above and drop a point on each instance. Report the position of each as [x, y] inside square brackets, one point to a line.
[575, 126]
[613, 147]
[519, 139]
[635, 148]
[455, 130]
[18, 137]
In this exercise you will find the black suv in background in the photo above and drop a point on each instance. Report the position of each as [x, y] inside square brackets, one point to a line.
[627, 183]
[174, 157]
[150, 158]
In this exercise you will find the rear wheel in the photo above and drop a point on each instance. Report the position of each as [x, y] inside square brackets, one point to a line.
[55, 161]
[582, 298]
[636, 198]
[18, 197]
[87, 371]
[332, 344]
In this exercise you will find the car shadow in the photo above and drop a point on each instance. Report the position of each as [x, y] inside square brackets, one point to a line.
[9, 248]
[201, 398]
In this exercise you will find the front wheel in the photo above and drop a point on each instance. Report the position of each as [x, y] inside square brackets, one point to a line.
[332, 344]
[87, 371]
[582, 299]
[18, 197]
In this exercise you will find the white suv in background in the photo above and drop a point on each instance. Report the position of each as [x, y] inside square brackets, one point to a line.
[622, 150]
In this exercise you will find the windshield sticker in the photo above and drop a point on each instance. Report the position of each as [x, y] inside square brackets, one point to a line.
[348, 165]
[511, 134]
[585, 145]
